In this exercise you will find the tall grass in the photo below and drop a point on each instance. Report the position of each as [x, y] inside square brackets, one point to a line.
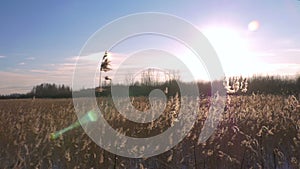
[256, 131]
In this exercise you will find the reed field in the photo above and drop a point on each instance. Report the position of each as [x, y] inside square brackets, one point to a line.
[256, 131]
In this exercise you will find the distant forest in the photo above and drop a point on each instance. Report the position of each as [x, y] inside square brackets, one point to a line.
[257, 85]
[44, 90]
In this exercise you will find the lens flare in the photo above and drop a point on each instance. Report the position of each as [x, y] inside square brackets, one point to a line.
[91, 116]
[253, 26]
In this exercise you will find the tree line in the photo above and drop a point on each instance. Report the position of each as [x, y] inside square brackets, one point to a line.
[276, 85]
[257, 84]
[44, 90]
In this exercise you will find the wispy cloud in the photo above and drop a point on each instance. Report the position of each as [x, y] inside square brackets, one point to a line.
[20, 82]
[1, 56]
[40, 71]
[88, 66]
[283, 55]
[283, 69]
[30, 58]
[60, 73]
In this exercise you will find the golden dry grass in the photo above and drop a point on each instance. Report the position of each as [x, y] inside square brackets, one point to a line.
[257, 131]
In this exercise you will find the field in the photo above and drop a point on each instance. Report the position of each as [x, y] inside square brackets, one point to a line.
[256, 131]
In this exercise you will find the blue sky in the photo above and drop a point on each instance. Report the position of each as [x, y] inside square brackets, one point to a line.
[39, 39]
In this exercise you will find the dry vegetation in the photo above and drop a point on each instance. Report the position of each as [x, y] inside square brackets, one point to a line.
[257, 131]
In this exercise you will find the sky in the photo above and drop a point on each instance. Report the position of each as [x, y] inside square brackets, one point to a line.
[40, 41]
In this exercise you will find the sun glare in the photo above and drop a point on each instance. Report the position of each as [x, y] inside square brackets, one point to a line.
[232, 50]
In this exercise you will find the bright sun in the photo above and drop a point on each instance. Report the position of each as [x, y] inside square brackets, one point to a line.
[232, 50]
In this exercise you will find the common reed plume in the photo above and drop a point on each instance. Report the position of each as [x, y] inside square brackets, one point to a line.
[104, 67]
[235, 84]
